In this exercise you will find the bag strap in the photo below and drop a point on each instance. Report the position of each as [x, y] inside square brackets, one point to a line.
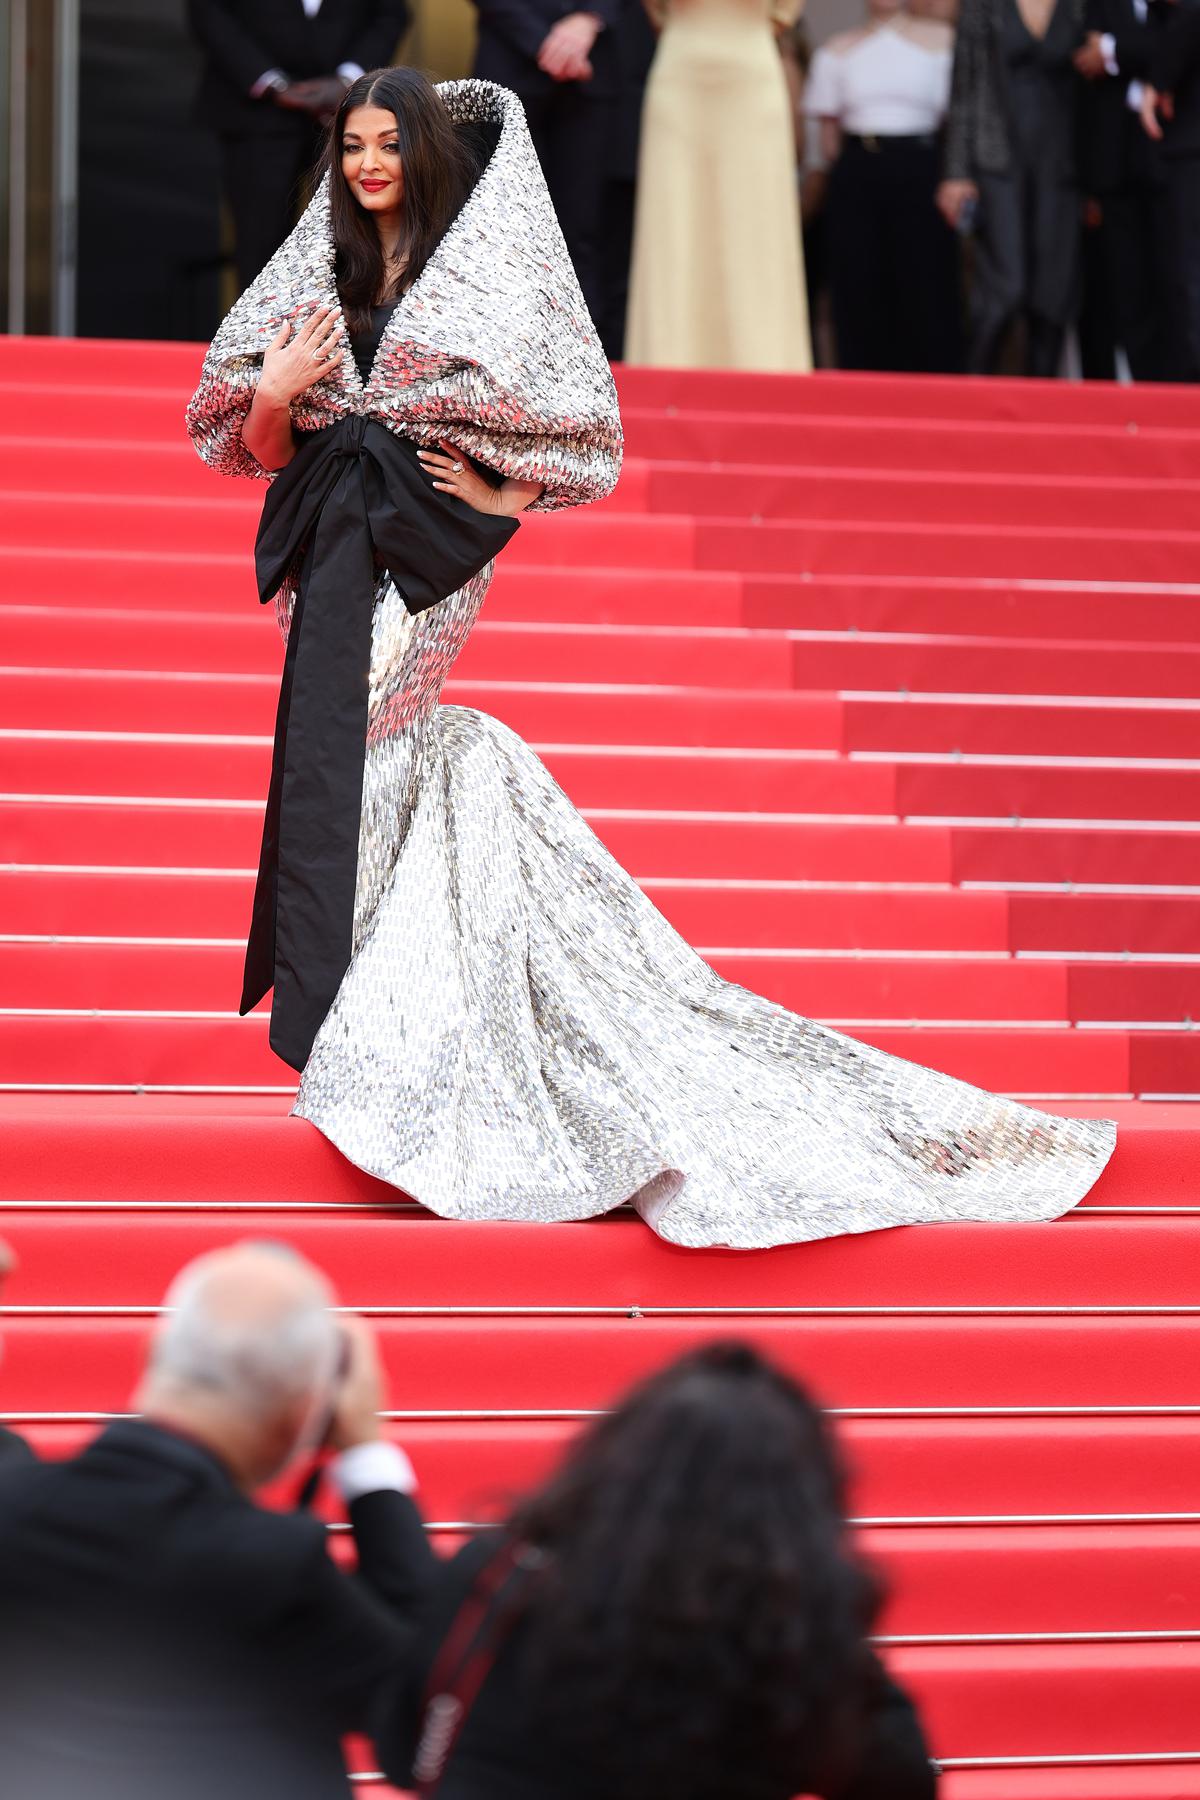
[463, 1663]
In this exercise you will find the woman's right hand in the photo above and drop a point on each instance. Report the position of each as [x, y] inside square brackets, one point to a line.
[298, 358]
[952, 197]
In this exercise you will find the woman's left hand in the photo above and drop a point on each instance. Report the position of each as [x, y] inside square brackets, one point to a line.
[453, 474]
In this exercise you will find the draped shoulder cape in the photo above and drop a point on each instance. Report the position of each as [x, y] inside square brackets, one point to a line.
[492, 347]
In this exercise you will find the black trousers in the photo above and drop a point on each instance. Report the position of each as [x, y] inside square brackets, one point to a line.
[1028, 262]
[893, 261]
[1135, 250]
[570, 129]
[263, 175]
[1183, 250]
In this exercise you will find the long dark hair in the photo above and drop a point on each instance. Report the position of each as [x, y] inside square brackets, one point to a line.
[440, 169]
[696, 1628]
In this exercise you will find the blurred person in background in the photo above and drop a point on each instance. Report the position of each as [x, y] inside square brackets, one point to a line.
[1125, 182]
[633, 42]
[563, 65]
[161, 1636]
[1010, 169]
[812, 174]
[1170, 110]
[274, 73]
[678, 1612]
[717, 280]
[881, 93]
[13, 1450]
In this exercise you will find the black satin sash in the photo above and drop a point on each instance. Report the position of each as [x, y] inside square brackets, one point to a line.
[352, 495]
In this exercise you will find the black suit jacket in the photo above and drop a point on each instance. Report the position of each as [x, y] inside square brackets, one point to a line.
[1176, 70]
[163, 1638]
[507, 1753]
[511, 33]
[14, 1451]
[1117, 152]
[242, 39]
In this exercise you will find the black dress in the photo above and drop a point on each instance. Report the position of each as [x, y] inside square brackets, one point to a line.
[507, 1752]
[364, 344]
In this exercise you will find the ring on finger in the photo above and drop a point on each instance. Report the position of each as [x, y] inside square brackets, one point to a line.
[457, 468]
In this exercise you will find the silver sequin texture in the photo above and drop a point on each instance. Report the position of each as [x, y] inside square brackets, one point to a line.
[521, 1035]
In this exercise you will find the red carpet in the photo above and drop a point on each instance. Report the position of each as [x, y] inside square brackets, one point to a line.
[889, 693]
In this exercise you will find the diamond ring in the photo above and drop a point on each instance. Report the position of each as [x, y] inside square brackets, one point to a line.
[457, 467]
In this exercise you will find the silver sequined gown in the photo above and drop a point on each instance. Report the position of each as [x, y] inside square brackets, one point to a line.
[520, 1035]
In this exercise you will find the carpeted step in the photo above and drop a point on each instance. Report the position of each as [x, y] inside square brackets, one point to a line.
[203, 1150]
[41, 828]
[915, 1467]
[56, 1361]
[216, 903]
[80, 1257]
[215, 1049]
[180, 975]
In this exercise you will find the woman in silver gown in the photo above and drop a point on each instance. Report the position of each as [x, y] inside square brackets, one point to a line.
[503, 1025]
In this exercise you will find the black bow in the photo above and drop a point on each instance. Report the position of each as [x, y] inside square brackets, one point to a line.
[353, 496]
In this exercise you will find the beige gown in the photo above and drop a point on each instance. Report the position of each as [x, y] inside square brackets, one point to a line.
[717, 280]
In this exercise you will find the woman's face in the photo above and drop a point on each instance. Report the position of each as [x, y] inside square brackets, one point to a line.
[371, 160]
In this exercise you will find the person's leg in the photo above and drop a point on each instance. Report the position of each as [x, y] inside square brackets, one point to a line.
[1055, 252]
[859, 293]
[998, 285]
[263, 177]
[1183, 193]
[574, 153]
[924, 257]
[1129, 262]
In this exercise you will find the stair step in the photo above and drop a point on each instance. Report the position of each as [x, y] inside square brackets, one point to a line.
[106, 700]
[80, 1258]
[921, 1468]
[206, 1150]
[990, 606]
[217, 1049]
[62, 1362]
[39, 829]
[186, 976]
[216, 904]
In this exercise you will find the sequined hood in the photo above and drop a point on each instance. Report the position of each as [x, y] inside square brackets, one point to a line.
[492, 345]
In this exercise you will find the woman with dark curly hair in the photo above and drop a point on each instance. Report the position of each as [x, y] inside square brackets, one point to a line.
[676, 1615]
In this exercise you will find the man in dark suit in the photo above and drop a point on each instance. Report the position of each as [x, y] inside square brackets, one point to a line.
[563, 65]
[1123, 173]
[13, 1450]
[1173, 94]
[161, 1636]
[275, 71]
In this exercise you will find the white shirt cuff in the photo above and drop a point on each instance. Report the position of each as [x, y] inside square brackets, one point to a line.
[350, 72]
[270, 78]
[1135, 93]
[1108, 50]
[372, 1469]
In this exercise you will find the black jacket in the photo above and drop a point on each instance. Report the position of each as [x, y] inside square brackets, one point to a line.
[977, 130]
[14, 1451]
[506, 1753]
[242, 39]
[1176, 71]
[511, 33]
[163, 1638]
[1117, 152]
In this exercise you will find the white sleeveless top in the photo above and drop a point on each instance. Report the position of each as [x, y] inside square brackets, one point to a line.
[884, 85]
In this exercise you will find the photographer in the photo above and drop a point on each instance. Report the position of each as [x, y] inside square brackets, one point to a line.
[13, 1450]
[160, 1634]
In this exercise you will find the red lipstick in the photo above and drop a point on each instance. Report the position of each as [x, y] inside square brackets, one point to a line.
[373, 187]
